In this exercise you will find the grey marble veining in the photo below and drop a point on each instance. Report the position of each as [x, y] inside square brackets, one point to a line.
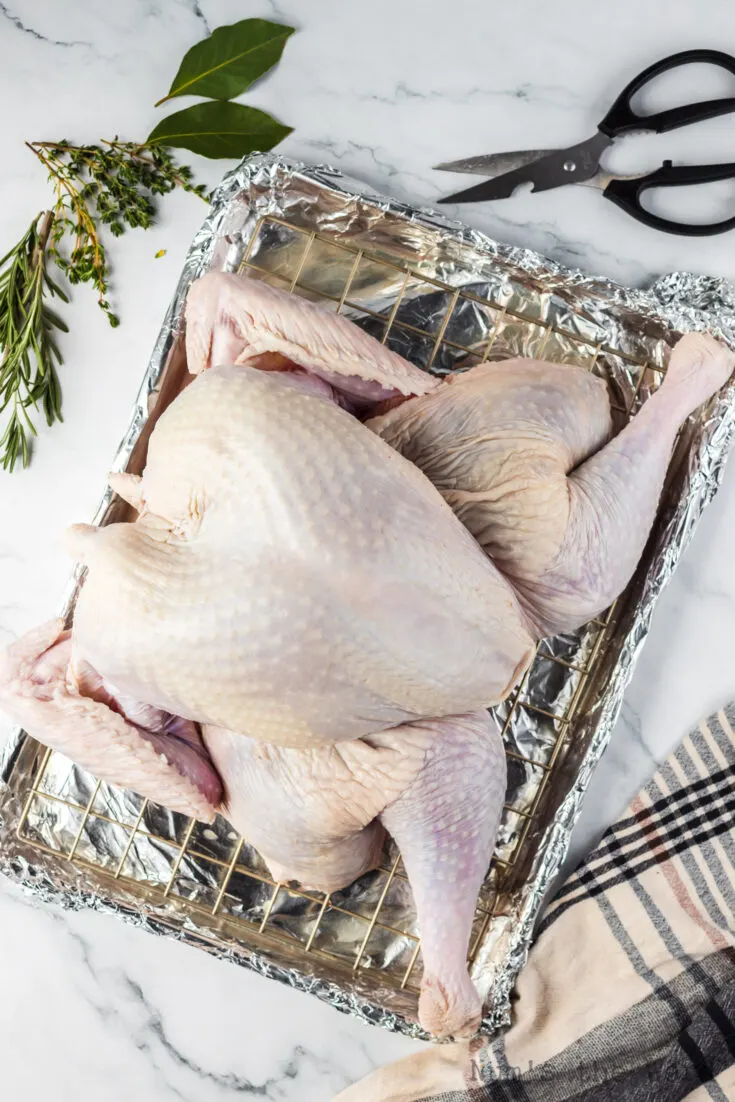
[92, 1009]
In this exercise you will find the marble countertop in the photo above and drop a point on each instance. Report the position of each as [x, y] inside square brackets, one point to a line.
[90, 1008]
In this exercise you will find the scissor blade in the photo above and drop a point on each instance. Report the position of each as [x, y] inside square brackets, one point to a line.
[494, 163]
[562, 166]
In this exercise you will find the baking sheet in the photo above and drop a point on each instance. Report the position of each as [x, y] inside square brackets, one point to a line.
[445, 297]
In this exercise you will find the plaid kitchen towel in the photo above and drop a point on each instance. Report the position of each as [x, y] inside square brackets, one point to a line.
[629, 991]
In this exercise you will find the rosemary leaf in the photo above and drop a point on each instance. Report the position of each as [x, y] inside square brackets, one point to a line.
[27, 371]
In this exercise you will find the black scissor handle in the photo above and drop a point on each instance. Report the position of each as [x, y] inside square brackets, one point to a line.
[626, 194]
[622, 119]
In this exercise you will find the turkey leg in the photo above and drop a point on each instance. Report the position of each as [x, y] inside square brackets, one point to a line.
[613, 496]
[521, 452]
[437, 786]
[445, 825]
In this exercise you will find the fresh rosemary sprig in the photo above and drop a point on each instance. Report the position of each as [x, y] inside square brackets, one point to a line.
[27, 369]
[112, 184]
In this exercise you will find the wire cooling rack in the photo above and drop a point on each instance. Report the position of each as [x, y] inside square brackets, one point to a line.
[210, 871]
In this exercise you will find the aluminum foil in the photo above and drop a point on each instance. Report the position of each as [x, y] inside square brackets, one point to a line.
[445, 297]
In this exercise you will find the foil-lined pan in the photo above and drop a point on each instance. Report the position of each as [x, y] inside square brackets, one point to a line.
[445, 297]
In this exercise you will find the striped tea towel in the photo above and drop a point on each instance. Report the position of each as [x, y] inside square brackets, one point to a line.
[629, 990]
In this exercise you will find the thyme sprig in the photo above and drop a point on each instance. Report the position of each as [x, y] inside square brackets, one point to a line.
[112, 184]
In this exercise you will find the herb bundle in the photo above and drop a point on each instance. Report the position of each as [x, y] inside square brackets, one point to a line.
[112, 187]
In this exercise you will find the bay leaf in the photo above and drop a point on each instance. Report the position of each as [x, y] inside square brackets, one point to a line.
[218, 128]
[229, 60]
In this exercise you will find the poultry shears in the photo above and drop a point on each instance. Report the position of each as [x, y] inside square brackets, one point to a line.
[577, 164]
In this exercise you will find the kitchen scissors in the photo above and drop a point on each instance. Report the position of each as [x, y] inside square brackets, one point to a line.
[551, 168]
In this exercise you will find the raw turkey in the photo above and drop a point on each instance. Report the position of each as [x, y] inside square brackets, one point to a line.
[337, 566]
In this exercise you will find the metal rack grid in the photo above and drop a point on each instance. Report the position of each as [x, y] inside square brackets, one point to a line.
[235, 867]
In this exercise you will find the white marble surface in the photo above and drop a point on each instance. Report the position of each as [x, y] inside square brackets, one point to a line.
[89, 1008]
